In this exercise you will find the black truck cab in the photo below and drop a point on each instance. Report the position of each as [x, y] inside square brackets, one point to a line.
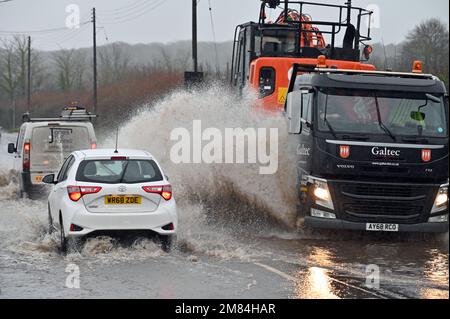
[372, 149]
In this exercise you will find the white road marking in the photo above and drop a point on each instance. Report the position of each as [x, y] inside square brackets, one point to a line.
[293, 279]
[276, 271]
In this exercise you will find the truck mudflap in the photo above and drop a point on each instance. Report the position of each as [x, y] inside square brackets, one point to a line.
[338, 224]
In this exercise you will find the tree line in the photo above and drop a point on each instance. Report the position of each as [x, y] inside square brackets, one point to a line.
[130, 75]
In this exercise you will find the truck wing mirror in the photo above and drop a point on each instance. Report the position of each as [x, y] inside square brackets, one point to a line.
[293, 112]
[11, 148]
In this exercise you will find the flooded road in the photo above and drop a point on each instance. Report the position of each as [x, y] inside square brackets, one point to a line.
[214, 264]
[232, 241]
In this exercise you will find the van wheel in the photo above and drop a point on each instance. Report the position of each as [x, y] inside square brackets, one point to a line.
[50, 222]
[166, 243]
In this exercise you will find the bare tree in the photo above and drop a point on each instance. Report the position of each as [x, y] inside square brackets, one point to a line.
[114, 63]
[429, 42]
[71, 66]
[10, 77]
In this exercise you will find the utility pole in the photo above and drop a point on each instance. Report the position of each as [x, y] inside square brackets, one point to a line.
[29, 75]
[194, 78]
[194, 35]
[94, 23]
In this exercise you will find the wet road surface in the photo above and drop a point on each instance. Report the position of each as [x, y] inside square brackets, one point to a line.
[211, 261]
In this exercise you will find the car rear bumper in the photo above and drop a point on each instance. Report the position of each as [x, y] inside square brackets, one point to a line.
[154, 221]
[323, 223]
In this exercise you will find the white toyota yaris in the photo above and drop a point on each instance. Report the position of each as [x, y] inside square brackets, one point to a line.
[108, 190]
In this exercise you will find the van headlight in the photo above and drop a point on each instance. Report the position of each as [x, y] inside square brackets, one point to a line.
[321, 193]
[441, 201]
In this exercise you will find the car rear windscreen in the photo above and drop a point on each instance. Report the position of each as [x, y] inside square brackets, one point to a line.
[119, 171]
[51, 145]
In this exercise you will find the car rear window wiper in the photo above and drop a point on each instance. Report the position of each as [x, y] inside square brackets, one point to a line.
[124, 172]
[380, 122]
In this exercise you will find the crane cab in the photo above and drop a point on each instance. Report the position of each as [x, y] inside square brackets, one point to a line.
[264, 52]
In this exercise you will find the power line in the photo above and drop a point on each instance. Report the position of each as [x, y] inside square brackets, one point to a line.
[138, 5]
[44, 31]
[133, 11]
[134, 15]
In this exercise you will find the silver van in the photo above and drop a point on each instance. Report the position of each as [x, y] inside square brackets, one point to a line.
[43, 145]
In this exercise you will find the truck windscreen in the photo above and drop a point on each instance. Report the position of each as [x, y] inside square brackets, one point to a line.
[392, 113]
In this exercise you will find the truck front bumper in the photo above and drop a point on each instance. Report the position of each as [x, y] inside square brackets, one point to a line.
[323, 223]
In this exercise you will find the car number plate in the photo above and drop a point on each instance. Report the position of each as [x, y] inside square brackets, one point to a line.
[123, 200]
[382, 227]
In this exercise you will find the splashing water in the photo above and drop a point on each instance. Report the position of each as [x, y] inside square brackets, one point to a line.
[229, 192]
[215, 201]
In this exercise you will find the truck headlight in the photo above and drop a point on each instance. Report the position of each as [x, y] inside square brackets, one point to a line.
[322, 194]
[441, 201]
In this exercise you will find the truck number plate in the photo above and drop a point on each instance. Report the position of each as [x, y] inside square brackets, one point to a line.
[382, 227]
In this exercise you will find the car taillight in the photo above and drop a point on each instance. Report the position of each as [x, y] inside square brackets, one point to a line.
[26, 156]
[76, 192]
[164, 191]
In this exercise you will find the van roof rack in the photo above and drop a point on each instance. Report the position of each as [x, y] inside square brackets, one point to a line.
[70, 114]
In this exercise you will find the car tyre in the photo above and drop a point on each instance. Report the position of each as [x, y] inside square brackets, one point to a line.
[166, 243]
[51, 228]
[62, 238]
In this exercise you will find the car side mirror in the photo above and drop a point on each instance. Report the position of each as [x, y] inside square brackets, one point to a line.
[49, 179]
[11, 148]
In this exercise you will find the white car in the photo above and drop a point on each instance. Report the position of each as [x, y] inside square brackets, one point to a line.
[98, 191]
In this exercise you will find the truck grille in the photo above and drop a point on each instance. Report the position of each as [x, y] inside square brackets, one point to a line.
[383, 203]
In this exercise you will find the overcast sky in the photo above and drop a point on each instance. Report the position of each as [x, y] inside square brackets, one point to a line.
[145, 21]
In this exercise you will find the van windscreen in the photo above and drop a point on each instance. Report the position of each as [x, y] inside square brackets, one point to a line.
[50, 145]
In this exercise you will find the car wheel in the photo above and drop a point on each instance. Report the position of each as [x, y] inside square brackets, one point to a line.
[62, 237]
[166, 243]
[51, 228]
